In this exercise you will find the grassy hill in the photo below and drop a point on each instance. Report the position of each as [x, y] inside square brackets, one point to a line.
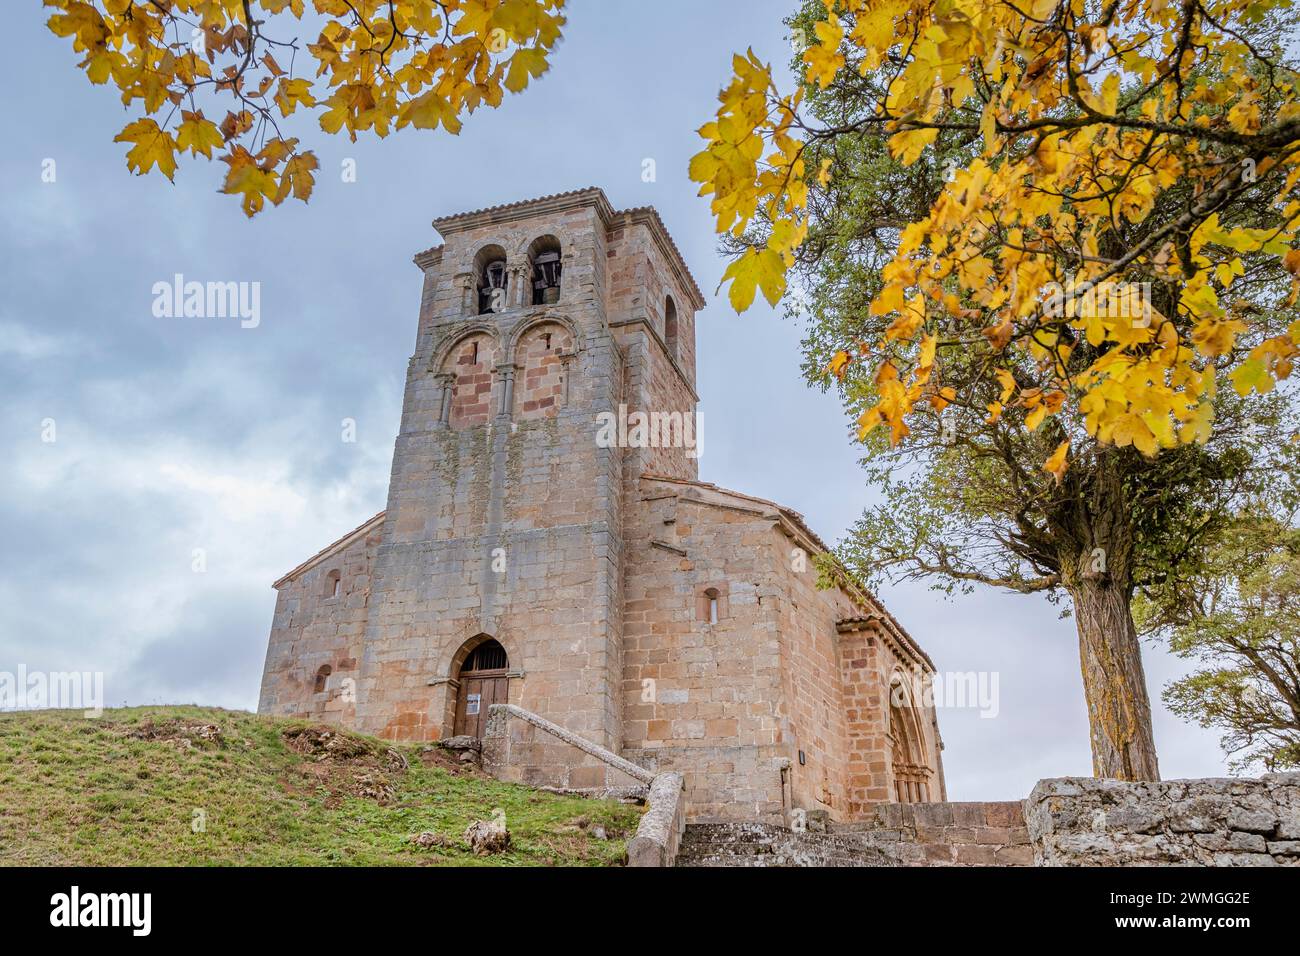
[133, 786]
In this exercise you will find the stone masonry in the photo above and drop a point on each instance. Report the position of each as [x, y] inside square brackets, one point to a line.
[659, 617]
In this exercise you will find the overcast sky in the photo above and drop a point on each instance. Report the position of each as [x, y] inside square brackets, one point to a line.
[177, 434]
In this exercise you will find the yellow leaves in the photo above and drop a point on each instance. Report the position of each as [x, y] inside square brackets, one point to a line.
[249, 181]
[824, 58]
[412, 62]
[757, 268]
[1039, 207]
[839, 364]
[528, 63]
[152, 147]
[907, 146]
[908, 321]
[1056, 465]
[1215, 337]
[427, 111]
[200, 136]
[291, 93]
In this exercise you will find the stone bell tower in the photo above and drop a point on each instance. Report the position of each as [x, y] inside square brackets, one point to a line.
[505, 512]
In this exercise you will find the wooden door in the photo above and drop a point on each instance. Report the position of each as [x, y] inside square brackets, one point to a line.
[479, 690]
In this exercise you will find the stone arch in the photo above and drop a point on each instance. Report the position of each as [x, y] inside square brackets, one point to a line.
[544, 257]
[473, 692]
[543, 363]
[908, 759]
[491, 272]
[471, 644]
[466, 370]
[529, 323]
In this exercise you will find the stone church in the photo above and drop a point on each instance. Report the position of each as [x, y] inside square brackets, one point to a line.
[531, 553]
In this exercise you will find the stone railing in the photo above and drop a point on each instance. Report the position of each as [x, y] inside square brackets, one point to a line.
[659, 834]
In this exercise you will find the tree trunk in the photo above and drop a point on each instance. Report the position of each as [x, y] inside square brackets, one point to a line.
[1119, 711]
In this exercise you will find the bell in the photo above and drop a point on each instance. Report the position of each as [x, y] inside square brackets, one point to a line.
[546, 278]
[492, 296]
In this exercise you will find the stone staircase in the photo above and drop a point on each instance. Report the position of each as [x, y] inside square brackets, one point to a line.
[769, 845]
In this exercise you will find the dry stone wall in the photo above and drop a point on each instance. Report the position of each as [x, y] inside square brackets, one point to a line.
[1079, 821]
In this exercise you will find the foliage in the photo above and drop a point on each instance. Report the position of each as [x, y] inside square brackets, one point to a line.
[1118, 207]
[379, 64]
[1246, 629]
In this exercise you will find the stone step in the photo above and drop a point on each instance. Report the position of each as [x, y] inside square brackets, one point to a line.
[770, 845]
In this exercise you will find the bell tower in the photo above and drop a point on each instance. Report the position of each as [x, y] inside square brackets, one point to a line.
[505, 511]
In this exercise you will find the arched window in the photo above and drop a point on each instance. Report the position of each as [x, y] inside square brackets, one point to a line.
[491, 280]
[322, 677]
[670, 326]
[333, 584]
[711, 596]
[544, 269]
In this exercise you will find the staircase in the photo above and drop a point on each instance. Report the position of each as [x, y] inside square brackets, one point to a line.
[769, 845]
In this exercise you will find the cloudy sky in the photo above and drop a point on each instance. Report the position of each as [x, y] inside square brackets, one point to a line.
[179, 434]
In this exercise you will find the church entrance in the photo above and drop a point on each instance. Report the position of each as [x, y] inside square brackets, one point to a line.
[483, 682]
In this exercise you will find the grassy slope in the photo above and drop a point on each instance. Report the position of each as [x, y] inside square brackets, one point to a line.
[100, 792]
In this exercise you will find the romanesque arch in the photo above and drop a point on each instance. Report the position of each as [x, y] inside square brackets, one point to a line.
[908, 759]
[544, 270]
[480, 670]
[465, 368]
[543, 356]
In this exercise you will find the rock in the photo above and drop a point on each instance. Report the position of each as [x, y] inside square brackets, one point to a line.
[488, 836]
[461, 742]
[1284, 847]
[1252, 821]
[599, 833]
[427, 839]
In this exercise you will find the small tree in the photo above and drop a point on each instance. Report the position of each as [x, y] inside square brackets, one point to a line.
[1243, 622]
[1039, 241]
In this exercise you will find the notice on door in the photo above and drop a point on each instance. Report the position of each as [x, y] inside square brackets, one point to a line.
[471, 704]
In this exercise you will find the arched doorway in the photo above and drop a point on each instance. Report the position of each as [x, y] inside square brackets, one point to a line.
[907, 745]
[483, 682]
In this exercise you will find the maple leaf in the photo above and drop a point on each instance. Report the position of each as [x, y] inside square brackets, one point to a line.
[200, 136]
[528, 63]
[152, 147]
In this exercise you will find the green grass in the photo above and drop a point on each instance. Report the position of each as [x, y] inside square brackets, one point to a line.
[125, 789]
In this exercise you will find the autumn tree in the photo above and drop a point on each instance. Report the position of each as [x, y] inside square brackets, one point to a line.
[1046, 249]
[372, 67]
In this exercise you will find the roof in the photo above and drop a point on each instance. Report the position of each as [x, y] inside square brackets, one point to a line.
[330, 549]
[849, 584]
[587, 196]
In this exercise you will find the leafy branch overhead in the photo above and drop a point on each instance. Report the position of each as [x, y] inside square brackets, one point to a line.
[375, 65]
[1087, 257]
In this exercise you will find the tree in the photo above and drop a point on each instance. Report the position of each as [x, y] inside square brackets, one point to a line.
[378, 64]
[1246, 628]
[1034, 241]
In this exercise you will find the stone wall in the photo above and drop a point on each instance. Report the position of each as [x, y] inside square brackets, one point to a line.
[952, 834]
[1079, 821]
